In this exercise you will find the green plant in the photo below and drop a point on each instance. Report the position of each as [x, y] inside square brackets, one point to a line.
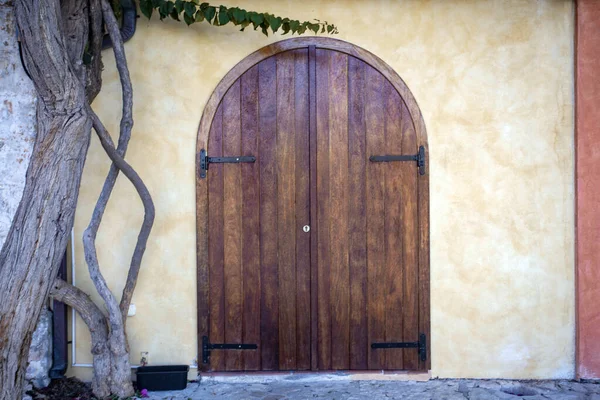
[194, 11]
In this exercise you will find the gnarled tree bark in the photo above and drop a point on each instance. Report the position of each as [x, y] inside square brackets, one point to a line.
[33, 249]
[54, 35]
[96, 323]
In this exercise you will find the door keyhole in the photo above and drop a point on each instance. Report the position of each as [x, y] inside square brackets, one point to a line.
[306, 228]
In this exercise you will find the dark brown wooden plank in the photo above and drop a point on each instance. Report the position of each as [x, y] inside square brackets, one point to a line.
[269, 300]
[408, 196]
[250, 218]
[395, 269]
[314, 234]
[269, 315]
[302, 160]
[202, 265]
[338, 232]
[215, 243]
[424, 271]
[232, 230]
[323, 208]
[286, 230]
[375, 180]
[357, 223]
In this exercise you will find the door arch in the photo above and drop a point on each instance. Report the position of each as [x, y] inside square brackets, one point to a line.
[336, 273]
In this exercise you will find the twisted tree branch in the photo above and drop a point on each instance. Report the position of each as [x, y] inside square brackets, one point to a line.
[92, 230]
[96, 322]
[117, 313]
[125, 134]
[118, 341]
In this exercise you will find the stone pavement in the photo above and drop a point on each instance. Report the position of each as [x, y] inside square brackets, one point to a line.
[298, 387]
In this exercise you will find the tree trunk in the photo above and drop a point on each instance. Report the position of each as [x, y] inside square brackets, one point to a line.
[32, 252]
[36, 241]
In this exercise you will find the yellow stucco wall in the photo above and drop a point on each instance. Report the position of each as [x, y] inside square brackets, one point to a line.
[494, 80]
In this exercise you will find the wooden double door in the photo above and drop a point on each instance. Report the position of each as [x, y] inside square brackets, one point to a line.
[313, 252]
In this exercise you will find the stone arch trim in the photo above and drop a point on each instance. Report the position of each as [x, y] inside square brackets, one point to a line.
[296, 43]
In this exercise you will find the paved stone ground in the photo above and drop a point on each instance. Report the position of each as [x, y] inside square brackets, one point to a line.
[305, 388]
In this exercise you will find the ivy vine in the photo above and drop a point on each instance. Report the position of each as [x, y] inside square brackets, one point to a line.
[194, 11]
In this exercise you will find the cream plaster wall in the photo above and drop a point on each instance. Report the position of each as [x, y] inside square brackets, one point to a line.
[494, 80]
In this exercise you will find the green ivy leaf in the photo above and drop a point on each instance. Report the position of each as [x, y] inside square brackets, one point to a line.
[162, 9]
[188, 20]
[194, 11]
[244, 25]
[170, 7]
[239, 15]
[275, 24]
[263, 27]
[267, 18]
[209, 13]
[179, 6]
[190, 9]
[256, 19]
[223, 16]
[146, 8]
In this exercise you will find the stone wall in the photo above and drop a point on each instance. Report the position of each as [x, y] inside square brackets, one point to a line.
[17, 119]
[17, 135]
[40, 352]
[494, 81]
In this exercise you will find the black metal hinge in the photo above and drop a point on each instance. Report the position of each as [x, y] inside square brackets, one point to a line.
[419, 158]
[207, 346]
[206, 160]
[421, 345]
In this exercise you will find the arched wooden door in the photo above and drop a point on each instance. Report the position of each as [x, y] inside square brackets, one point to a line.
[313, 215]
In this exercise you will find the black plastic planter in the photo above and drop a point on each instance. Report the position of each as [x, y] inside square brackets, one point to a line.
[162, 377]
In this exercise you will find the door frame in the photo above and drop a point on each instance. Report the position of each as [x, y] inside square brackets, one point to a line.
[202, 188]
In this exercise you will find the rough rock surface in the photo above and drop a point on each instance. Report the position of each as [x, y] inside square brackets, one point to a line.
[319, 388]
[17, 131]
[40, 352]
[17, 119]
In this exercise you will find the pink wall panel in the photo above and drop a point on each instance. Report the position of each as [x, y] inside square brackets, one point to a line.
[588, 187]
